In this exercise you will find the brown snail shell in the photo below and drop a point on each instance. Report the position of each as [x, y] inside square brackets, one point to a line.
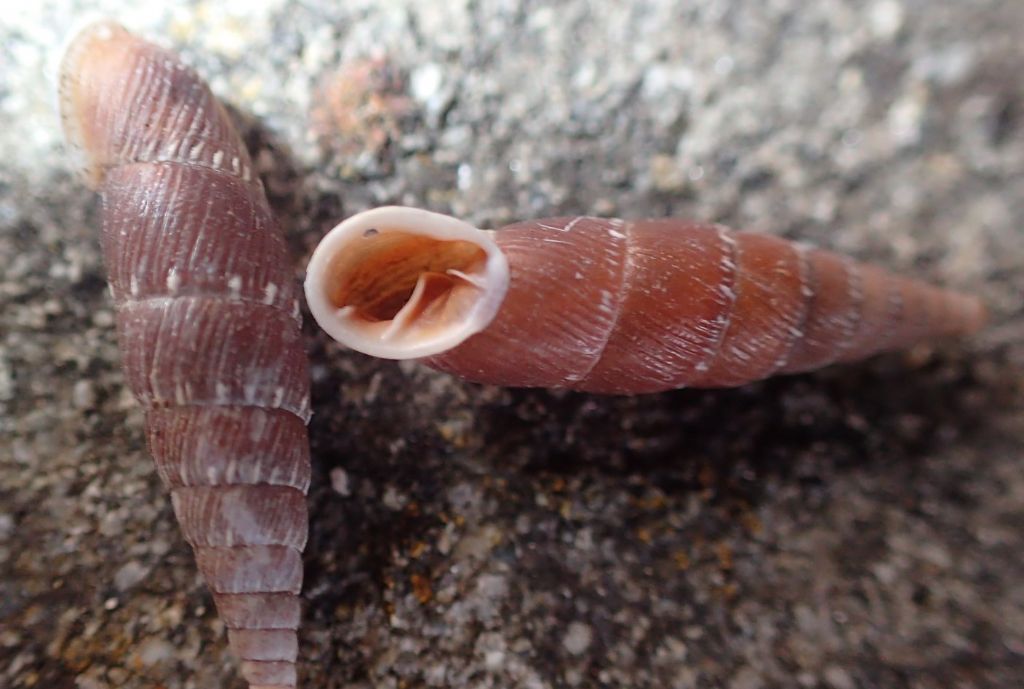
[208, 325]
[611, 306]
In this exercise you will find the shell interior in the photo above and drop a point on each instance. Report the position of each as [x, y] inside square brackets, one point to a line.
[403, 283]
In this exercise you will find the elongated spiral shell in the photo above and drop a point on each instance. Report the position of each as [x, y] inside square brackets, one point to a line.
[609, 306]
[208, 324]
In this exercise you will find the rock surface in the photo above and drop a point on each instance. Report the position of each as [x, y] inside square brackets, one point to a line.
[859, 527]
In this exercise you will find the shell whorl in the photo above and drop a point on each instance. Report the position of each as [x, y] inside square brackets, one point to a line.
[610, 306]
[124, 101]
[208, 326]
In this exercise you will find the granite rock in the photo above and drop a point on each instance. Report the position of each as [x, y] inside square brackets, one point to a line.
[857, 527]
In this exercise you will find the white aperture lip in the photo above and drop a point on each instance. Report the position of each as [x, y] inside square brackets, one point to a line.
[405, 283]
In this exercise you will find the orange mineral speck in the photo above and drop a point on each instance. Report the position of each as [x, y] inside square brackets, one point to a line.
[681, 559]
[421, 588]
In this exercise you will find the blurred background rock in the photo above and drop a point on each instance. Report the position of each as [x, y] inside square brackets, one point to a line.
[859, 527]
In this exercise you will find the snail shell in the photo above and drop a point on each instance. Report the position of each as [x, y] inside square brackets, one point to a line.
[208, 326]
[610, 306]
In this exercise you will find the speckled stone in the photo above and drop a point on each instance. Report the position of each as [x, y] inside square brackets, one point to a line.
[858, 527]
